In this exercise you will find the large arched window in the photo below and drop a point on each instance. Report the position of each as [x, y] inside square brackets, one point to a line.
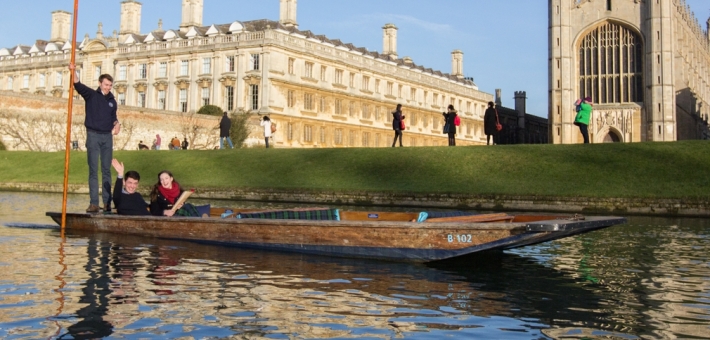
[610, 65]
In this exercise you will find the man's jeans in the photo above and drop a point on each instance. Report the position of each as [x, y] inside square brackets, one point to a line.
[229, 140]
[99, 145]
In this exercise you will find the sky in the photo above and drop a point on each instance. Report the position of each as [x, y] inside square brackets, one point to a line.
[505, 42]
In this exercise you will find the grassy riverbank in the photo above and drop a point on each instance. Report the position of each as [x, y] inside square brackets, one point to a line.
[640, 170]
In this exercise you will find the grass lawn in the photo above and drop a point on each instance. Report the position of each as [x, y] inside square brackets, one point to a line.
[638, 170]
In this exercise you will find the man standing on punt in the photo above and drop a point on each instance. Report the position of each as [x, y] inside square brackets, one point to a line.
[101, 124]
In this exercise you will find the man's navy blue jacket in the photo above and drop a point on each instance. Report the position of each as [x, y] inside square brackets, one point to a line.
[100, 109]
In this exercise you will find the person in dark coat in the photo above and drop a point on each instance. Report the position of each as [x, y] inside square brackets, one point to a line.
[450, 119]
[397, 119]
[101, 124]
[164, 195]
[490, 120]
[185, 143]
[224, 125]
[125, 196]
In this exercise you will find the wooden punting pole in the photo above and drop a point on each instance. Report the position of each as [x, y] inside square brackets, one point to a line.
[67, 148]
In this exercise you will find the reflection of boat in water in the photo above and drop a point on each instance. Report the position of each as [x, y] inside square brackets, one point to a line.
[412, 237]
[242, 289]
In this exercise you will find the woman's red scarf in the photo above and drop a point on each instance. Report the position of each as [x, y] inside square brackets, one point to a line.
[170, 194]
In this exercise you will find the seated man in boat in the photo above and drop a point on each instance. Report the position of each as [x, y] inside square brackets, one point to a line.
[164, 195]
[125, 197]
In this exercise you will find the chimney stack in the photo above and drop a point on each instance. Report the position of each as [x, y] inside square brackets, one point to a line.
[61, 21]
[389, 44]
[457, 64]
[498, 99]
[520, 103]
[191, 14]
[287, 15]
[130, 19]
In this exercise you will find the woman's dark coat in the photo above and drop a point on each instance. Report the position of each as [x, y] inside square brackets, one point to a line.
[224, 125]
[489, 122]
[397, 120]
[449, 118]
[161, 204]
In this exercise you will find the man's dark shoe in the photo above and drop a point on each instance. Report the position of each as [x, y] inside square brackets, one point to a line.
[93, 209]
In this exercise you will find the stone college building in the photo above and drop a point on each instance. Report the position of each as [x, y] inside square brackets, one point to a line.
[645, 63]
[321, 92]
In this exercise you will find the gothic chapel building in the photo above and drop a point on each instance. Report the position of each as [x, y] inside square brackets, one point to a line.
[644, 63]
[321, 91]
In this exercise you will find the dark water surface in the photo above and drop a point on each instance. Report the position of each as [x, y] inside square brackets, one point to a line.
[647, 279]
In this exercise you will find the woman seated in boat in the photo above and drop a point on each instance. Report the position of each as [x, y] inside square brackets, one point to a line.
[164, 195]
[125, 197]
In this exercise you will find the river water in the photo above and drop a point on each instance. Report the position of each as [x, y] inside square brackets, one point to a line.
[647, 279]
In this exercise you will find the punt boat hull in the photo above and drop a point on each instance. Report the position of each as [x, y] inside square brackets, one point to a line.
[383, 240]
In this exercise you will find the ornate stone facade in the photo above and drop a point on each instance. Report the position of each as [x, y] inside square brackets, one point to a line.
[646, 65]
[321, 92]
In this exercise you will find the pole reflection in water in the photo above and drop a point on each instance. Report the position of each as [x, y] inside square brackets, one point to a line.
[62, 283]
[95, 295]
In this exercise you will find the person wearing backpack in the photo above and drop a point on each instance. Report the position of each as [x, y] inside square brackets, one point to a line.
[582, 118]
[452, 121]
[269, 128]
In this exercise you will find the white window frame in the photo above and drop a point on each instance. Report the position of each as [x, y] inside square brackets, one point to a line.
[254, 96]
[122, 71]
[183, 100]
[229, 63]
[206, 65]
[290, 102]
[338, 77]
[338, 107]
[141, 99]
[162, 100]
[229, 97]
[205, 96]
[184, 67]
[142, 71]
[58, 78]
[163, 69]
[254, 59]
[308, 101]
[308, 69]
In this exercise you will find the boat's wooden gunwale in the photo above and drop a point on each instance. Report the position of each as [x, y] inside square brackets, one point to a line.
[323, 224]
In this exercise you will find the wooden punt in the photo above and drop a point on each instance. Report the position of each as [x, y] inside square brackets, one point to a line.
[394, 236]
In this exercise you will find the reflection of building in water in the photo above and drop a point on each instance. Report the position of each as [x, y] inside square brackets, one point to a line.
[645, 64]
[321, 91]
[650, 277]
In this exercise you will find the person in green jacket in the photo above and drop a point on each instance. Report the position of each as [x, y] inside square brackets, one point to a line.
[582, 119]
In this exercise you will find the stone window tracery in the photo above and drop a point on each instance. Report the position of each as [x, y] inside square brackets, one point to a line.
[610, 65]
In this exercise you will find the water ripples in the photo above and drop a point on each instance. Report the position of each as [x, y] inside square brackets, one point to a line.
[647, 279]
